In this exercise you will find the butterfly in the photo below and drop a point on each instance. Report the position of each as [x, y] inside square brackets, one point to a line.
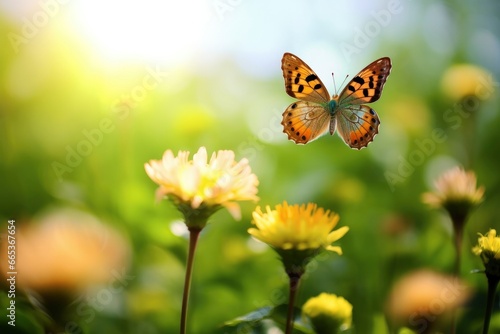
[316, 113]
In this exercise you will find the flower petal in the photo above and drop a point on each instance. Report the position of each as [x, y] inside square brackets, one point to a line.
[335, 249]
[337, 234]
[234, 209]
[200, 183]
[297, 227]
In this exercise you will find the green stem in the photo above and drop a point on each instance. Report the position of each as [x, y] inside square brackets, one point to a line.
[492, 287]
[194, 233]
[294, 286]
[458, 227]
[459, 231]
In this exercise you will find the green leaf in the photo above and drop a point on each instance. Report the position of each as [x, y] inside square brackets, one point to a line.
[257, 315]
[265, 318]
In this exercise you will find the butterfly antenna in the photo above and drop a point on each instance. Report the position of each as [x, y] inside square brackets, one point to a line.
[343, 82]
[334, 85]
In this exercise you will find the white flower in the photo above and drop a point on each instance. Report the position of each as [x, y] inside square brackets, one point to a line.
[219, 182]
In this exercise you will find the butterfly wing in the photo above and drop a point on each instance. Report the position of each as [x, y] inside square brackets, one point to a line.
[301, 82]
[305, 121]
[357, 125]
[367, 85]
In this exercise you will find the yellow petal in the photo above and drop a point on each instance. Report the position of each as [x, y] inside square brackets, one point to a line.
[337, 234]
[335, 249]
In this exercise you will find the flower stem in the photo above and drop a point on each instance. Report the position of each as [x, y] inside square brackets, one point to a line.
[294, 286]
[458, 227]
[492, 287]
[194, 233]
[459, 230]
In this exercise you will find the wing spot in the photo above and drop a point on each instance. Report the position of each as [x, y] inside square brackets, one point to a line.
[366, 134]
[311, 77]
[290, 123]
[297, 133]
[361, 138]
[371, 112]
[365, 92]
[293, 107]
[297, 78]
[370, 84]
[301, 89]
[303, 137]
[359, 80]
[317, 86]
[296, 68]
[371, 128]
[355, 141]
[374, 120]
[289, 114]
[351, 88]
[292, 128]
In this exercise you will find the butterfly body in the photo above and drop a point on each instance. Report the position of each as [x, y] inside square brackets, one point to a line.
[317, 113]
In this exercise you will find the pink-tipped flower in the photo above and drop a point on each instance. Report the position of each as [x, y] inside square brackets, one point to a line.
[202, 185]
[456, 192]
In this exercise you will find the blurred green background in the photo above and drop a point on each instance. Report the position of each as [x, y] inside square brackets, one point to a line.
[90, 91]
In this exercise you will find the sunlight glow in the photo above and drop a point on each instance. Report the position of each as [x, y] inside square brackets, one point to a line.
[150, 30]
[179, 228]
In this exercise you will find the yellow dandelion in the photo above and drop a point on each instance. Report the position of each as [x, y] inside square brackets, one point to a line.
[202, 184]
[328, 313]
[297, 227]
[488, 248]
[297, 233]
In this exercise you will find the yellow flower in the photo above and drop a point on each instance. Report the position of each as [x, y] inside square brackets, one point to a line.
[456, 191]
[297, 227]
[200, 184]
[296, 232]
[464, 80]
[328, 313]
[488, 249]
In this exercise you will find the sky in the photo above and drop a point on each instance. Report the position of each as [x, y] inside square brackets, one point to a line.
[197, 33]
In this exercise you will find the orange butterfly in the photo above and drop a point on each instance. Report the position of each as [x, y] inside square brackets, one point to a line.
[316, 113]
